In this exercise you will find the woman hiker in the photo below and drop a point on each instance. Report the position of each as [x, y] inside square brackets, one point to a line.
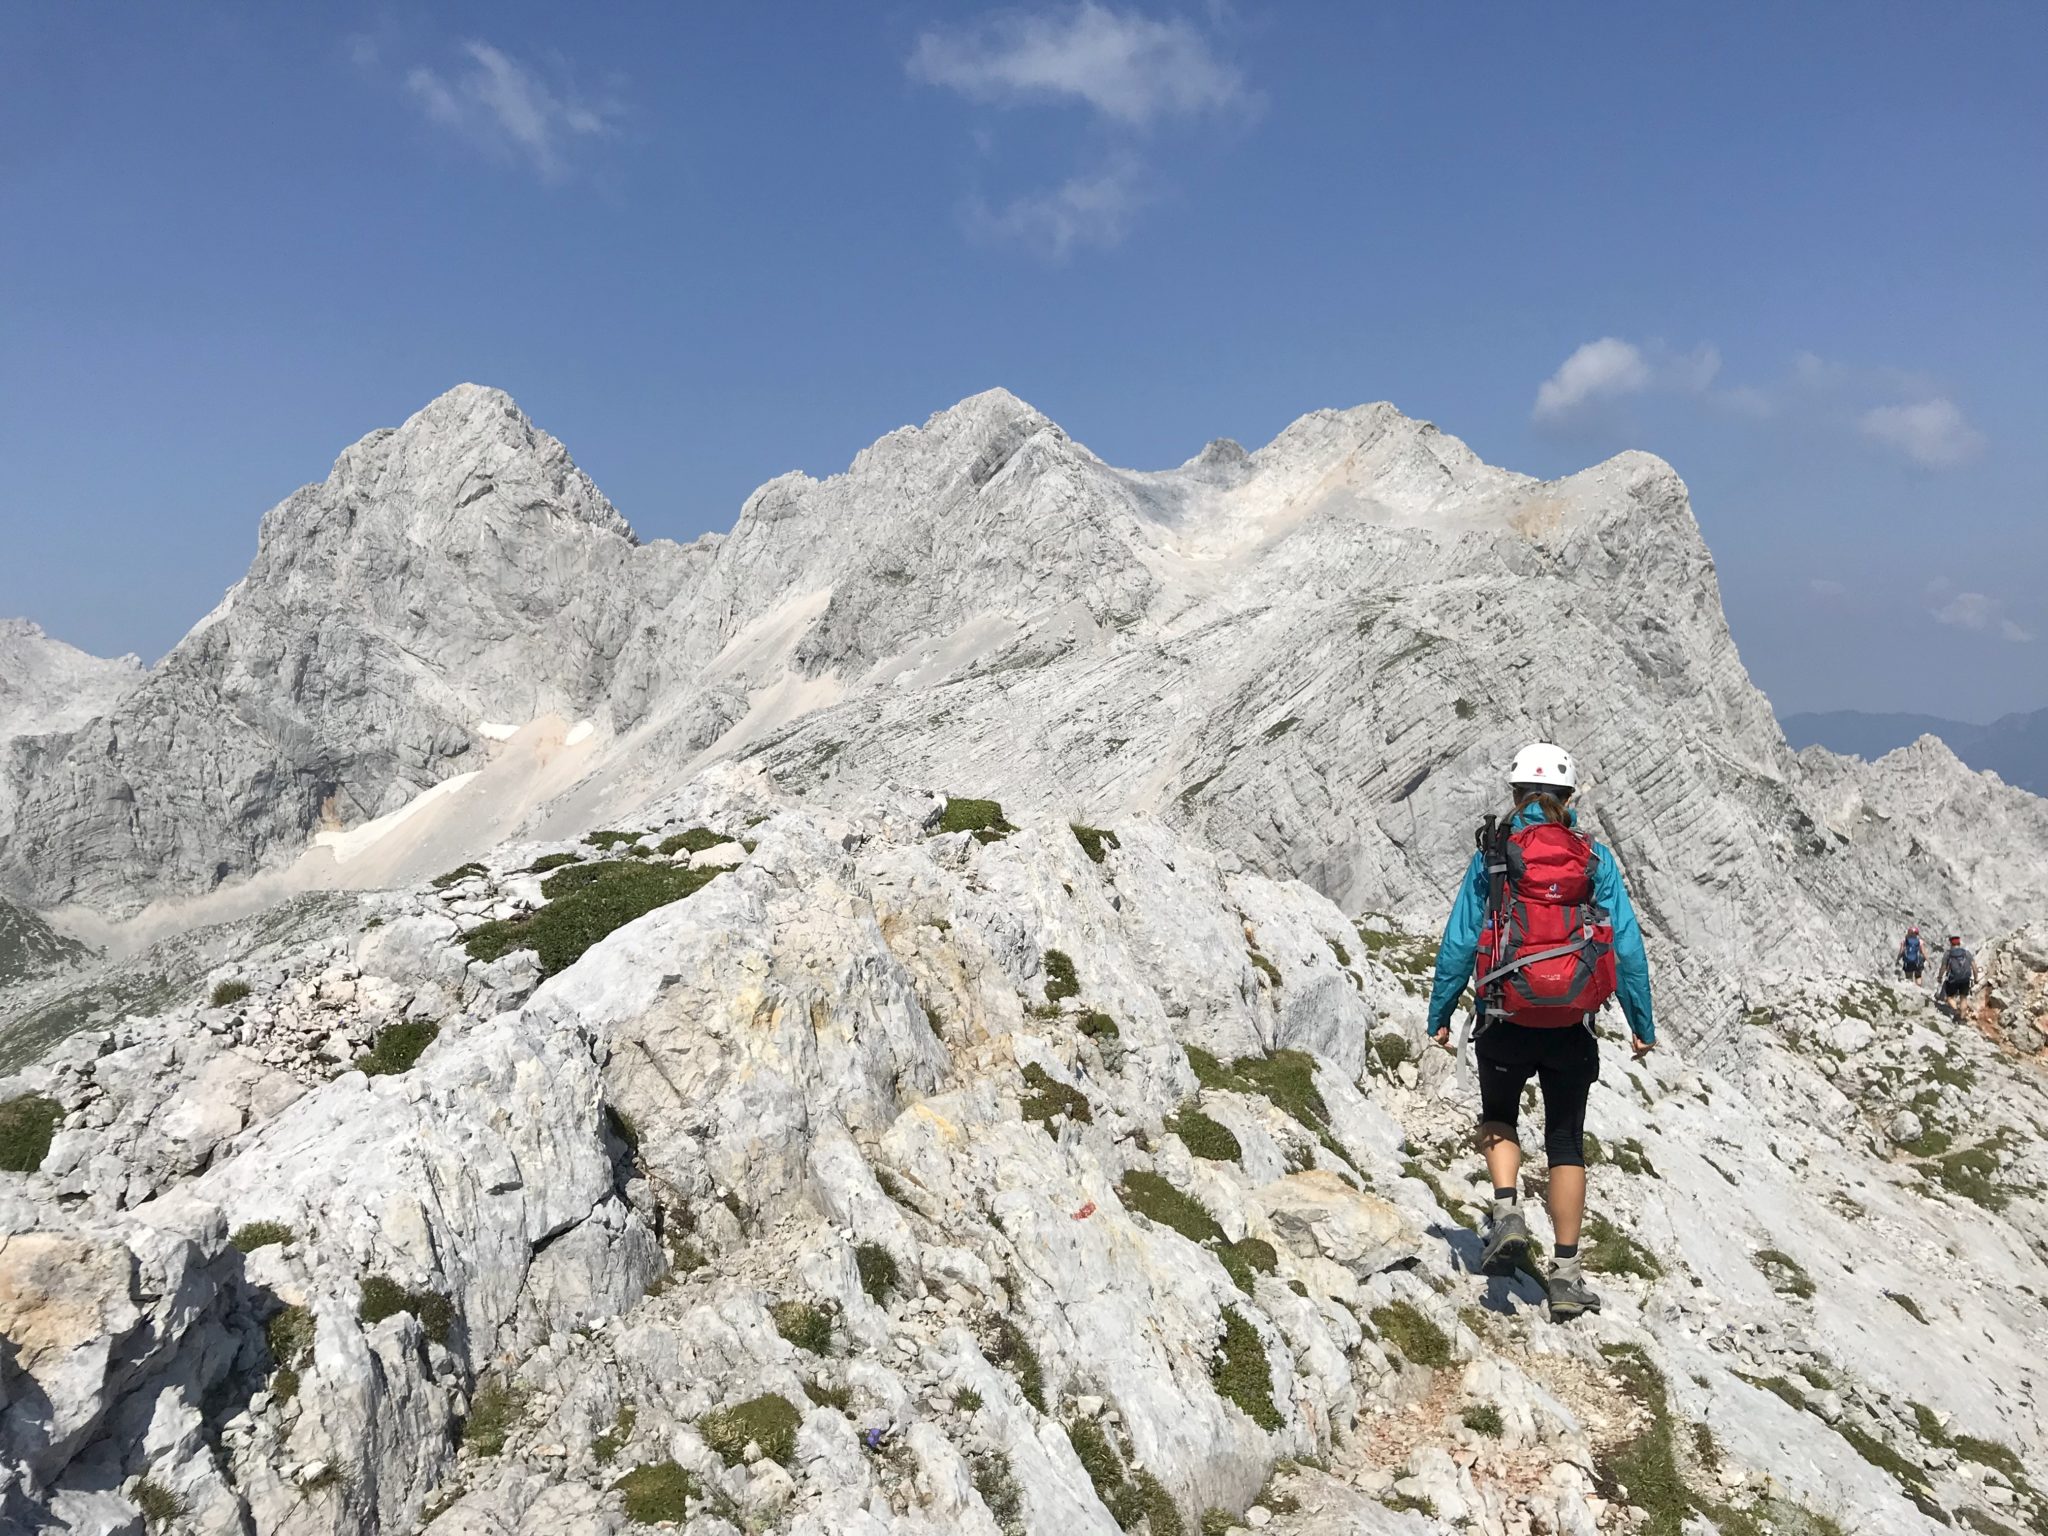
[1544, 914]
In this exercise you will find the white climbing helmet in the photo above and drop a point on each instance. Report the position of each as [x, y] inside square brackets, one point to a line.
[1545, 764]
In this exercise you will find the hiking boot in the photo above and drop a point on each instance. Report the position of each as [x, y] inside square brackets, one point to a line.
[1568, 1291]
[1507, 1242]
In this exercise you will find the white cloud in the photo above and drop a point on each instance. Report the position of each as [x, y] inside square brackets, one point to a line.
[1092, 209]
[1127, 66]
[1930, 432]
[1975, 611]
[506, 109]
[1610, 368]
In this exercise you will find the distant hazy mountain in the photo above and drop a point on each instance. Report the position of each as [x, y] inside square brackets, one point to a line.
[2015, 747]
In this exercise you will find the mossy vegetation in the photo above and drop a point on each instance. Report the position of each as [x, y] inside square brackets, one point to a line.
[695, 840]
[1391, 1051]
[824, 1394]
[1095, 841]
[397, 1047]
[1286, 1079]
[984, 818]
[492, 1413]
[1411, 959]
[1060, 981]
[611, 838]
[384, 1297]
[1402, 1324]
[1050, 1098]
[1099, 1026]
[879, 1276]
[1787, 1275]
[549, 862]
[1151, 1196]
[259, 1234]
[805, 1324]
[1240, 1372]
[1337, 949]
[227, 993]
[289, 1333]
[1244, 1260]
[1611, 1251]
[1907, 1305]
[768, 1421]
[1972, 1173]
[28, 1123]
[1265, 968]
[657, 1492]
[1204, 1137]
[606, 1447]
[585, 902]
[1162, 1515]
[1098, 1456]
[457, 875]
[997, 1487]
[967, 1400]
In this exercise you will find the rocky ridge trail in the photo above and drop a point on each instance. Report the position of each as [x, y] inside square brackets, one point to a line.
[919, 1166]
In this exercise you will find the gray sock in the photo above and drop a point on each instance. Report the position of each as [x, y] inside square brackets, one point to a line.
[1566, 1269]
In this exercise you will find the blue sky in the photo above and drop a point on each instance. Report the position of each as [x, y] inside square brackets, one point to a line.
[1796, 250]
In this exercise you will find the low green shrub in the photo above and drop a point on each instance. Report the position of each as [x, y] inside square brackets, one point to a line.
[259, 1234]
[1151, 1196]
[984, 818]
[1242, 1260]
[657, 1492]
[397, 1047]
[227, 993]
[879, 1276]
[1204, 1137]
[1095, 841]
[548, 862]
[600, 898]
[1402, 1325]
[457, 875]
[610, 839]
[28, 1123]
[160, 1507]
[1060, 980]
[997, 1486]
[768, 1421]
[1392, 1050]
[1612, 1251]
[1484, 1419]
[1787, 1275]
[1240, 1373]
[606, 1447]
[805, 1324]
[1265, 968]
[384, 1297]
[1099, 1026]
[1013, 1352]
[824, 1395]
[1050, 1098]
[492, 1413]
[1907, 1305]
[696, 840]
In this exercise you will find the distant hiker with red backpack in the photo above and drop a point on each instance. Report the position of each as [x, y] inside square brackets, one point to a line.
[1543, 913]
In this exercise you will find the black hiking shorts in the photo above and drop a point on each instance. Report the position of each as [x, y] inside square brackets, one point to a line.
[1565, 1061]
[1954, 988]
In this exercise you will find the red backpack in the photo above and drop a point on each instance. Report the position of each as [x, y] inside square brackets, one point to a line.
[1546, 955]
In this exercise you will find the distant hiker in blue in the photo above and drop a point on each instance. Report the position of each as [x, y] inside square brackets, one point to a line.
[1544, 916]
[1912, 958]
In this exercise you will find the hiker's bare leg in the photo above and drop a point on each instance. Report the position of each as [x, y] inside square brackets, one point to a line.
[1567, 1202]
[1503, 1153]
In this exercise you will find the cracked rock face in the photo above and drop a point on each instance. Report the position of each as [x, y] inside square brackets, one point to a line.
[749, 1133]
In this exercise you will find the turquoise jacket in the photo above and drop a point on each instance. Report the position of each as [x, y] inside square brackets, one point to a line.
[1468, 918]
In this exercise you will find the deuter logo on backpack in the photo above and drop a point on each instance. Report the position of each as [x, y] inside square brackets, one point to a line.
[1546, 955]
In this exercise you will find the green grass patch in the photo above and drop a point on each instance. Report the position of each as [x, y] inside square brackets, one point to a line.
[1886, 1458]
[606, 1447]
[1013, 1352]
[457, 875]
[549, 862]
[1240, 1372]
[1105, 1469]
[1949, 1071]
[1242, 1261]
[1162, 1515]
[1410, 1504]
[805, 1324]
[1060, 980]
[1050, 1098]
[227, 993]
[1464, 709]
[384, 1297]
[397, 1047]
[1630, 1157]
[1401, 1324]
[1614, 1252]
[1484, 1419]
[1099, 1026]
[768, 1421]
[967, 1400]
[824, 1395]
[28, 1122]
[879, 1276]
[610, 839]
[1204, 1137]
[160, 1507]
[1971, 1173]
[289, 1333]
[492, 1414]
[695, 840]
[1343, 955]
[259, 1234]
[1391, 1050]
[1265, 968]
[1286, 1079]
[1153, 1197]
[581, 910]
[984, 818]
[657, 1492]
[1095, 841]
[997, 1487]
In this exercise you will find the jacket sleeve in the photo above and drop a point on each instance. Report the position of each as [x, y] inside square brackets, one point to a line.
[1631, 963]
[1460, 944]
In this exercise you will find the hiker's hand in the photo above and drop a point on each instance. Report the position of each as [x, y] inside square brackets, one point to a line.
[1640, 1046]
[1442, 1036]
